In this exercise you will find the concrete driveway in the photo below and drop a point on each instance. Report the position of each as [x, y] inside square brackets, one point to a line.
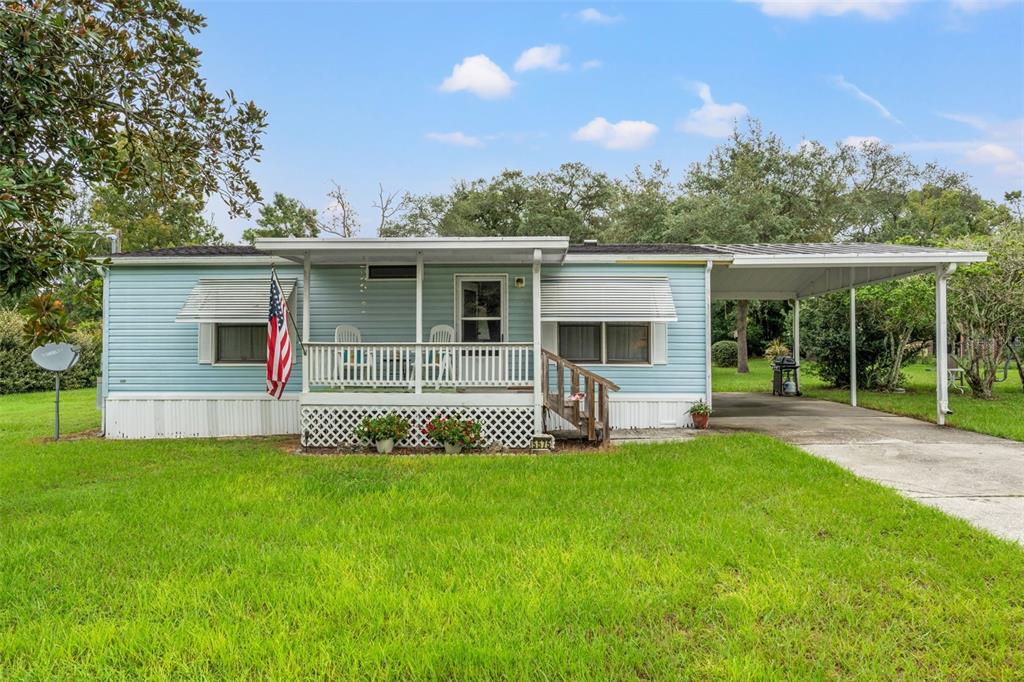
[976, 477]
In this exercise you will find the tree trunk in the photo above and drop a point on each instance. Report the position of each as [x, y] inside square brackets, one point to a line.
[741, 338]
[1018, 359]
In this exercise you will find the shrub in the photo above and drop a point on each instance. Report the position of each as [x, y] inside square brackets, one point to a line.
[724, 353]
[776, 349]
[18, 374]
[700, 407]
[453, 431]
[384, 427]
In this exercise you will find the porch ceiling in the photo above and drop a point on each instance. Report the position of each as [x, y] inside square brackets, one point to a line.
[394, 251]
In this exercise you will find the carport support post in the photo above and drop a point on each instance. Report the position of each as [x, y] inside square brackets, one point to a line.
[853, 342]
[942, 273]
[796, 330]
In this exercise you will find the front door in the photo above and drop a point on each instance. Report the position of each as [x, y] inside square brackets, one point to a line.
[481, 309]
[481, 319]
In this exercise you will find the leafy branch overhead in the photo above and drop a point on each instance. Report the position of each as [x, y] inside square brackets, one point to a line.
[100, 92]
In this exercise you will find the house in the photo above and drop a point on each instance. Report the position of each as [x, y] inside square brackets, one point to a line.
[524, 334]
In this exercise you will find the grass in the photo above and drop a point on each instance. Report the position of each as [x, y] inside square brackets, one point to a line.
[725, 557]
[999, 417]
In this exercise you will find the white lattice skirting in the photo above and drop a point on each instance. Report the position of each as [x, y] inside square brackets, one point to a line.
[330, 426]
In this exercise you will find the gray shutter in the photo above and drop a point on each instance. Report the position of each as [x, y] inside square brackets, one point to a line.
[659, 343]
[207, 343]
[549, 336]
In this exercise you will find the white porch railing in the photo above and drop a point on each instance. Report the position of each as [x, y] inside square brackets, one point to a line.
[443, 365]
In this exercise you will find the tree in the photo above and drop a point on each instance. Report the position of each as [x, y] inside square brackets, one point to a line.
[283, 217]
[104, 92]
[987, 306]
[391, 207]
[146, 221]
[342, 218]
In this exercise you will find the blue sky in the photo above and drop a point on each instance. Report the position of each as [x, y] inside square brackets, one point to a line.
[415, 96]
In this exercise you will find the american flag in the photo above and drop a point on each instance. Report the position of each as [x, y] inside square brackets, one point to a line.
[279, 343]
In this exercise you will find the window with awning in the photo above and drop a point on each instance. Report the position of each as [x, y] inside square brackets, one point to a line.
[231, 301]
[607, 299]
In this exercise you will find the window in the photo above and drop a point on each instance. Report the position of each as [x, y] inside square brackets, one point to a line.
[611, 343]
[627, 343]
[481, 310]
[390, 272]
[580, 342]
[242, 343]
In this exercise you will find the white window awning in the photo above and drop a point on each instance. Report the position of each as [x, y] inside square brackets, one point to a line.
[231, 301]
[607, 299]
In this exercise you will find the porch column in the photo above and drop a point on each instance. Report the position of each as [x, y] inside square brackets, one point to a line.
[796, 330]
[419, 323]
[853, 342]
[942, 273]
[306, 266]
[538, 364]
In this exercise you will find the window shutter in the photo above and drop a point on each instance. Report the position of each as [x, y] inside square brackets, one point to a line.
[659, 343]
[207, 340]
[549, 336]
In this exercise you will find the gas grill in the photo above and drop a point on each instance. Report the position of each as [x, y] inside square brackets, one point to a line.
[785, 376]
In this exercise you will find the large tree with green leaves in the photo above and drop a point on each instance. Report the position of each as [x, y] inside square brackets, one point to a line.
[284, 217]
[104, 92]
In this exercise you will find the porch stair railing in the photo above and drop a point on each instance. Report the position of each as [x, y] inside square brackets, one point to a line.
[577, 395]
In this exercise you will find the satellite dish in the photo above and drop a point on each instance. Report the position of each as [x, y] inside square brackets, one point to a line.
[56, 357]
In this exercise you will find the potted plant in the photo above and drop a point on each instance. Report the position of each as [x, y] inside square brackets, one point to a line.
[453, 433]
[700, 412]
[383, 431]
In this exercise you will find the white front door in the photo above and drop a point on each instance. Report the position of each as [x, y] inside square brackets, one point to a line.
[481, 317]
[481, 308]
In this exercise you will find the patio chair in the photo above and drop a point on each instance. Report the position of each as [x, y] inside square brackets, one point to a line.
[350, 360]
[439, 360]
[954, 374]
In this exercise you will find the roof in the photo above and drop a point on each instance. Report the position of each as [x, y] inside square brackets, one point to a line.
[804, 249]
[192, 251]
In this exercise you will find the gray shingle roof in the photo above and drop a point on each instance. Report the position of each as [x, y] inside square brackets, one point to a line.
[204, 250]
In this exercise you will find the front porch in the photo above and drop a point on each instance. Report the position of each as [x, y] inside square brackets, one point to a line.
[422, 329]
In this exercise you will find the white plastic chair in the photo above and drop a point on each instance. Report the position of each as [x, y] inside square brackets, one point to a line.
[440, 359]
[349, 360]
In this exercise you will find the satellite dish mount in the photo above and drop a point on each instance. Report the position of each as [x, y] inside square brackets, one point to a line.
[57, 358]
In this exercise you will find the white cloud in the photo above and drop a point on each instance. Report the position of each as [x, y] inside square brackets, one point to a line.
[861, 140]
[456, 138]
[879, 10]
[591, 15]
[712, 119]
[591, 64]
[975, 6]
[547, 57]
[990, 154]
[844, 84]
[621, 135]
[1000, 148]
[479, 75]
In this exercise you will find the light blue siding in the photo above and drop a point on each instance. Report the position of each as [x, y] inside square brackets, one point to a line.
[685, 371]
[150, 352]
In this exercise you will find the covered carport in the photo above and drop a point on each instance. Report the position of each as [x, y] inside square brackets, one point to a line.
[796, 272]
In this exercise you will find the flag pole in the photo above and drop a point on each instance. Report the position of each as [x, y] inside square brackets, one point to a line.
[273, 276]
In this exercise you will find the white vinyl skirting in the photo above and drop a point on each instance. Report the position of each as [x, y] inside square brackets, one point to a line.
[198, 415]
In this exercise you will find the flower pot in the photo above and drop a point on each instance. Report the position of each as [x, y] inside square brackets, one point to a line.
[452, 448]
[700, 421]
[385, 446]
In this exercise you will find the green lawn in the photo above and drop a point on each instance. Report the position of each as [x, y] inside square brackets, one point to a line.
[1001, 417]
[724, 557]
